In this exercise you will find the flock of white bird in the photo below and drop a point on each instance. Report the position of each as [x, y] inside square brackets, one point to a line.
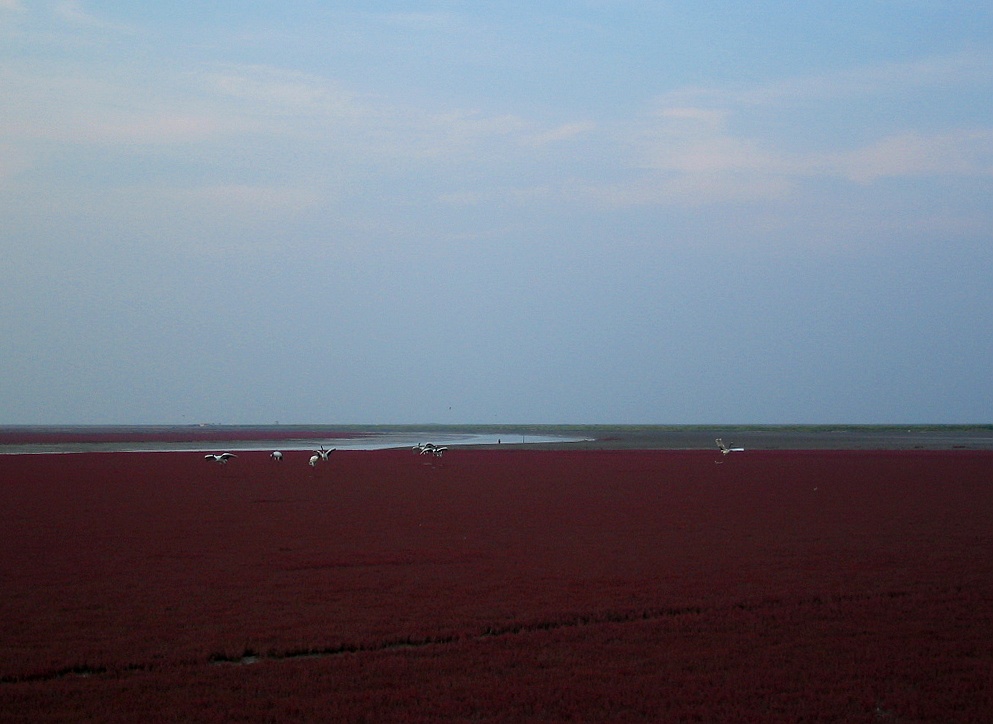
[421, 448]
[429, 448]
[276, 455]
[321, 455]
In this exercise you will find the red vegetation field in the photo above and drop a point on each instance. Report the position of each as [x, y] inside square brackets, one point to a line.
[498, 584]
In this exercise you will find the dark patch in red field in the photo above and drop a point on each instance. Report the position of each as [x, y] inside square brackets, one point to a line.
[516, 584]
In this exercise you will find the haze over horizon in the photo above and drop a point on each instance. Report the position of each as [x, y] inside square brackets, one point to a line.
[599, 211]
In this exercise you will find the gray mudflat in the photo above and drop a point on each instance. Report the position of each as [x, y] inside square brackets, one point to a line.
[784, 438]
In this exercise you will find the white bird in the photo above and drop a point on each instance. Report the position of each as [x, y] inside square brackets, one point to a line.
[423, 448]
[725, 449]
[314, 459]
[438, 451]
[277, 456]
[323, 454]
[221, 458]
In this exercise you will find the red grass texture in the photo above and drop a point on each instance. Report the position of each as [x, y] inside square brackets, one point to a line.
[498, 584]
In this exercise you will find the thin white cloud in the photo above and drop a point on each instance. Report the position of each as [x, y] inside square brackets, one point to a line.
[288, 103]
[421, 21]
[467, 128]
[693, 119]
[690, 151]
[73, 13]
[708, 165]
[461, 198]
[80, 108]
[689, 157]
[254, 116]
[716, 154]
[720, 167]
[237, 199]
[962, 69]
[682, 190]
[272, 90]
[564, 132]
[913, 154]
[156, 128]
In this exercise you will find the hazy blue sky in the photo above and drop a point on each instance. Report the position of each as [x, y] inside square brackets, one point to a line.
[614, 211]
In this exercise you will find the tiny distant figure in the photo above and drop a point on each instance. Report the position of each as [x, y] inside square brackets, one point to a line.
[725, 449]
[424, 448]
[314, 459]
[220, 459]
[277, 456]
[438, 451]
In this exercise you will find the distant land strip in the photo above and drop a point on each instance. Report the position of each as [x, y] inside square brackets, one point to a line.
[765, 437]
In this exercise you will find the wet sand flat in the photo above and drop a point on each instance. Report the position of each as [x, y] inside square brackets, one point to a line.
[792, 437]
[548, 437]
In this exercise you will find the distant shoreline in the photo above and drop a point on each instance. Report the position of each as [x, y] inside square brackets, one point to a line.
[596, 437]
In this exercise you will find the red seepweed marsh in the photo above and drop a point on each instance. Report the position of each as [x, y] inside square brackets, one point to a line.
[507, 583]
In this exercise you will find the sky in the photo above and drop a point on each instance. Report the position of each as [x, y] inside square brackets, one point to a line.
[601, 211]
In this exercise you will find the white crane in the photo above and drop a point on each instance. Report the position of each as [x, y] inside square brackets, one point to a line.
[429, 448]
[277, 456]
[725, 449]
[220, 458]
[323, 454]
[314, 459]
